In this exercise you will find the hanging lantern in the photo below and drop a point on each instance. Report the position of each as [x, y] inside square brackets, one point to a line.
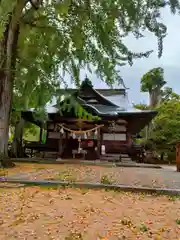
[96, 132]
[62, 130]
[73, 135]
[85, 136]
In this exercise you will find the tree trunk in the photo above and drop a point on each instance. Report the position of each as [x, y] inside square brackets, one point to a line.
[17, 145]
[162, 157]
[154, 97]
[5, 108]
[8, 52]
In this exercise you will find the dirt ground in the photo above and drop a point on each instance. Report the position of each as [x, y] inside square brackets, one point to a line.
[166, 177]
[70, 214]
[21, 168]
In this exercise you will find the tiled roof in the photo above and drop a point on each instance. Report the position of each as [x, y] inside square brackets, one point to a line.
[100, 109]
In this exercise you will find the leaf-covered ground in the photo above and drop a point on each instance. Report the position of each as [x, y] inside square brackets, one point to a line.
[70, 214]
[21, 168]
[167, 177]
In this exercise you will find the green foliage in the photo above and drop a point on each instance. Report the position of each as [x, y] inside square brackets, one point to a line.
[178, 221]
[70, 35]
[5, 8]
[71, 105]
[142, 106]
[143, 228]
[168, 121]
[167, 93]
[166, 126]
[105, 179]
[86, 82]
[31, 132]
[152, 80]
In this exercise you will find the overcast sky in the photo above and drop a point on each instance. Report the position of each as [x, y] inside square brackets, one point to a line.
[170, 60]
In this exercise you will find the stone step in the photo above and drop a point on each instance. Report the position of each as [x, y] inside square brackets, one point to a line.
[125, 156]
[122, 158]
[116, 155]
[126, 159]
[130, 161]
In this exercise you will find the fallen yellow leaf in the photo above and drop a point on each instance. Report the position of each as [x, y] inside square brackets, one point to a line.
[157, 237]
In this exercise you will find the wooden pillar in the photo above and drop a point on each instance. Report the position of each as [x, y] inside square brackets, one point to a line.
[60, 146]
[66, 135]
[40, 134]
[99, 141]
[178, 156]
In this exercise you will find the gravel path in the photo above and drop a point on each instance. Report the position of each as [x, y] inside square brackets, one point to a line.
[166, 177]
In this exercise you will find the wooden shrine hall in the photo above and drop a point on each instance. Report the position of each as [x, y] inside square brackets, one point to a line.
[106, 125]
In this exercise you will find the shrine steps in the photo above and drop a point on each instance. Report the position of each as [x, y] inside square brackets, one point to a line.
[122, 158]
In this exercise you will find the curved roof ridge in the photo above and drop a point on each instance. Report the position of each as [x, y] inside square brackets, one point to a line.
[113, 104]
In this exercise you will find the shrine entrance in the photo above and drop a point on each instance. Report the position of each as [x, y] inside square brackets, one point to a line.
[79, 143]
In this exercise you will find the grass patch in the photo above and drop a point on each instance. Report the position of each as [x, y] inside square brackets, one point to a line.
[178, 221]
[84, 191]
[106, 179]
[66, 176]
[174, 198]
[74, 236]
[143, 228]
[50, 187]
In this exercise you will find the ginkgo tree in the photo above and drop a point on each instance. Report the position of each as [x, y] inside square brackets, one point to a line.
[153, 82]
[73, 35]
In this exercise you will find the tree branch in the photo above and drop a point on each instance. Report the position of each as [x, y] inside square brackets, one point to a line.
[28, 16]
[35, 25]
[36, 3]
[33, 4]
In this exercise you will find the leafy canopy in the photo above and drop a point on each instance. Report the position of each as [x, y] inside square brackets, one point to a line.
[167, 123]
[71, 35]
[86, 82]
[58, 37]
[165, 131]
[153, 80]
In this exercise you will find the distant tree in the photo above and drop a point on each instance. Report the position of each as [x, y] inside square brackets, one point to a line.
[168, 94]
[86, 82]
[166, 126]
[142, 106]
[152, 82]
[145, 131]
